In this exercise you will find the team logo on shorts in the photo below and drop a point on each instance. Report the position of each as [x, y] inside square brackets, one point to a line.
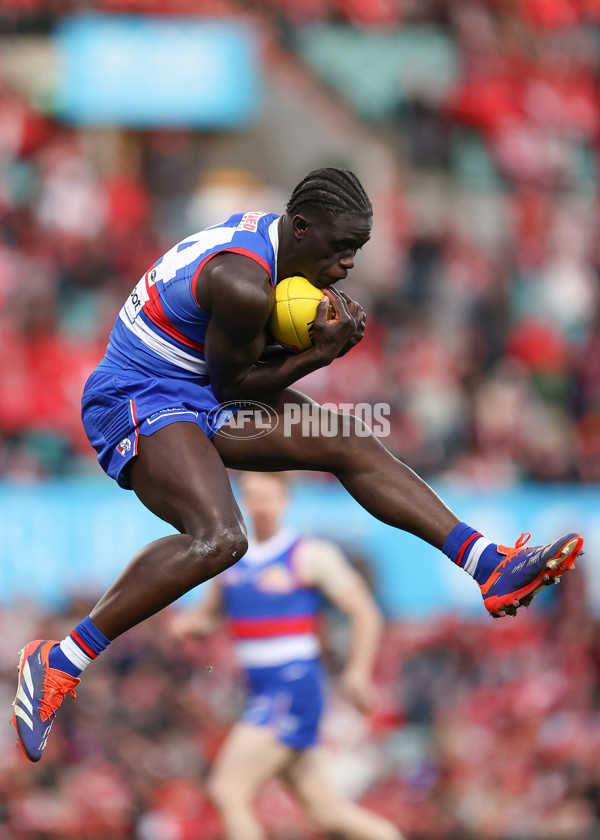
[124, 447]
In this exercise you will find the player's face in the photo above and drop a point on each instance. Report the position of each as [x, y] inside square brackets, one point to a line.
[326, 249]
[264, 499]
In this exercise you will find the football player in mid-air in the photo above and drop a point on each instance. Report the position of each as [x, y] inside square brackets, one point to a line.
[191, 335]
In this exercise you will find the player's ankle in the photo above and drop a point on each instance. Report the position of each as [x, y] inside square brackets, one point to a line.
[58, 660]
[470, 550]
[79, 649]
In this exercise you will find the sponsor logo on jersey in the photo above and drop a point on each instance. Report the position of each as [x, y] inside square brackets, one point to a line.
[249, 221]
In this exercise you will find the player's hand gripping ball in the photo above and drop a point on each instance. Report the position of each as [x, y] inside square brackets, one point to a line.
[293, 316]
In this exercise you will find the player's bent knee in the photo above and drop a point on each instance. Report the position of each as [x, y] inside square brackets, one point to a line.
[215, 552]
[222, 792]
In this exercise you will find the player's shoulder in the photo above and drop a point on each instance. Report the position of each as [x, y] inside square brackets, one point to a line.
[321, 563]
[252, 221]
[250, 234]
[312, 543]
[250, 224]
[317, 552]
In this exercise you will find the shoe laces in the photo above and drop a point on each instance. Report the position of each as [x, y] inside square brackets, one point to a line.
[56, 685]
[516, 549]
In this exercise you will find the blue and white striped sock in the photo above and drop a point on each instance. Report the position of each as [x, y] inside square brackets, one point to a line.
[78, 649]
[470, 550]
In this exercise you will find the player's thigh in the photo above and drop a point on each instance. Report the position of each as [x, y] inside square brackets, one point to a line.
[249, 758]
[310, 777]
[302, 435]
[180, 477]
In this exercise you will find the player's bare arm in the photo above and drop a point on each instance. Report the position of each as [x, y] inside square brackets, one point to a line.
[237, 293]
[321, 564]
[357, 603]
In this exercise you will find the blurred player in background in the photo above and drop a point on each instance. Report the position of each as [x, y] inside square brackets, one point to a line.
[192, 335]
[270, 600]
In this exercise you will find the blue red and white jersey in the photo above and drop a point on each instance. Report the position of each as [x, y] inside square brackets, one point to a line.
[272, 615]
[161, 328]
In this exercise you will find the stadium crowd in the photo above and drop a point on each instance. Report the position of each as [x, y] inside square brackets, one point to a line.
[485, 342]
[485, 339]
[478, 731]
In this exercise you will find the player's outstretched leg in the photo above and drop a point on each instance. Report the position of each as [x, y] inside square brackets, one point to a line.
[40, 691]
[508, 577]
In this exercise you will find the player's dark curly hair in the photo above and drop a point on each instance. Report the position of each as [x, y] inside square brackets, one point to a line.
[331, 190]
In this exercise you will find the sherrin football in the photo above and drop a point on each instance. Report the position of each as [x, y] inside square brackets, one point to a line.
[292, 319]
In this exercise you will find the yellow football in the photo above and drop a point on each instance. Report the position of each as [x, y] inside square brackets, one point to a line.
[293, 316]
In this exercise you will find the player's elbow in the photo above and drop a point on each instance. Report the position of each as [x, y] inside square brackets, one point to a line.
[367, 615]
[379, 622]
[228, 390]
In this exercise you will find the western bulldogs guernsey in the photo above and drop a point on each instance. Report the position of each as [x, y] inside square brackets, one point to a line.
[272, 618]
[154, 371]
[161, 328]
[271, 614]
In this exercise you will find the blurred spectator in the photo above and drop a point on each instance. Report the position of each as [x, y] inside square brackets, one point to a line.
[489, 297]
[480, 730]
[484, 338]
